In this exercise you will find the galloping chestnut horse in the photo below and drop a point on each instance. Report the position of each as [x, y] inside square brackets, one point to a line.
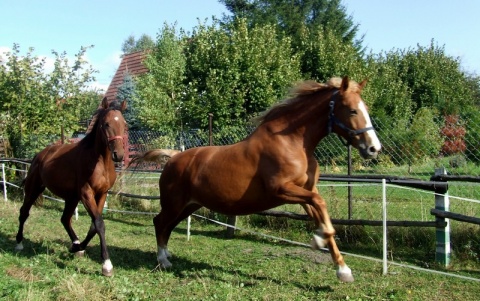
[81, 171]
[275, 165]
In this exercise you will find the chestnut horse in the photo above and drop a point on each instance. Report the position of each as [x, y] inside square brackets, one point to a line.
[275, 165]
[81, 171]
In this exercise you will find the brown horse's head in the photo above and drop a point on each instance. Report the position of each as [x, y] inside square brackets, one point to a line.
[349, 117]
[113, 125]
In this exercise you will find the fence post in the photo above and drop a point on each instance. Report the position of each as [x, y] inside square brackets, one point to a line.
[4, 182]
[384, 226]
[442, 202]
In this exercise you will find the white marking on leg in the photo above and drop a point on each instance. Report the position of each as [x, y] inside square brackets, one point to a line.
[318, 241]
[78, 253]
[19, 247]
[107, 268]
[162, 257]
[344, 274]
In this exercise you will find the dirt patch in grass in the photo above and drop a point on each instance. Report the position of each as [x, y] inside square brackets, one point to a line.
[24, 274]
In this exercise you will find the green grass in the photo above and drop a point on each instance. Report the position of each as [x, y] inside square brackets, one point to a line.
[208, 267]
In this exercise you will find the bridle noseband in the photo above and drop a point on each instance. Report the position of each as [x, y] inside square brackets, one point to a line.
[114, 138]
[334, 120]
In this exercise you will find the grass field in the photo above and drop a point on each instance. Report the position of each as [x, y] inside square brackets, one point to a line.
[208, 267]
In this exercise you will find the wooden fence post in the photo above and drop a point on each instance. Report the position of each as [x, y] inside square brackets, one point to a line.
[442, 202]
[231, 220]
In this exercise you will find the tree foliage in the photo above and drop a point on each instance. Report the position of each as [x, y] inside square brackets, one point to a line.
[35, 105]
[235, 72]
[293, 17]
[130, 45]
[159, 98]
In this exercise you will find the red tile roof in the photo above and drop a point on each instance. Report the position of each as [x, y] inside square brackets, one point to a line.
[131, 63]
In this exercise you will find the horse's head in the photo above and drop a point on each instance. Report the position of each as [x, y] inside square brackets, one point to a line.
[349, 118]
[113, 126]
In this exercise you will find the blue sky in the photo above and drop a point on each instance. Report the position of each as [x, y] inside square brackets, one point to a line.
[66, 25]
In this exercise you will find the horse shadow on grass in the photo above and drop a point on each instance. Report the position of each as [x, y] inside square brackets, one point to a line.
[134, 259]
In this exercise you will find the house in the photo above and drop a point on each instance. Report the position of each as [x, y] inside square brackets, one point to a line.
[131, 63]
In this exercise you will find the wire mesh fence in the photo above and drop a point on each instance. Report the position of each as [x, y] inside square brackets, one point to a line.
[405, 153]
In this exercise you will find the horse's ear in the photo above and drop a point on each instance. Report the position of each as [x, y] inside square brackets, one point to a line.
[124, 105]
[104, 103]
[344, 84]
[362, 84]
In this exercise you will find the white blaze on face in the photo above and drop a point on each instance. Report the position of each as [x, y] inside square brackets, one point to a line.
[371, 133]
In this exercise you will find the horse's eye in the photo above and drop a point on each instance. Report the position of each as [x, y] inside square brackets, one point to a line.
[353, 112]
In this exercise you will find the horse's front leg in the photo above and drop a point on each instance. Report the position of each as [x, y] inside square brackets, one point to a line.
[66, 219]
[94, 208]
[316, 207]
[344, 273]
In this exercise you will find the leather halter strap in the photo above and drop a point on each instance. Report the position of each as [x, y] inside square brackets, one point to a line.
[334, 120]
[114, 138]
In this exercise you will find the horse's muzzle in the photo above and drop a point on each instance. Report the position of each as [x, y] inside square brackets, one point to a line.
[370, 152]
[116, 157]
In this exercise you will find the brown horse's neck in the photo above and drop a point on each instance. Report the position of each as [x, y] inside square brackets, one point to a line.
[308, 125]
[102, 151]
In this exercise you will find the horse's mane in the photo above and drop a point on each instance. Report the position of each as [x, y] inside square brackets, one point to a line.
[298, 94]
[89, 138]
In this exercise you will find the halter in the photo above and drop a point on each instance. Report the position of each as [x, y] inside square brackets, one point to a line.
[114, 138]
[334, 120]
[109, 139]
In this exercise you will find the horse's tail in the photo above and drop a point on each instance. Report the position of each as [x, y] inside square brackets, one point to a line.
[159, 156]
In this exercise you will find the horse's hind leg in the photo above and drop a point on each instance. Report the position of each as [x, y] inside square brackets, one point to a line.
[164, 223]
[33, 188]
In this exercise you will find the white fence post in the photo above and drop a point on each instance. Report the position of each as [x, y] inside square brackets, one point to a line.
[384, 218]
[442, 202]
[4, 182]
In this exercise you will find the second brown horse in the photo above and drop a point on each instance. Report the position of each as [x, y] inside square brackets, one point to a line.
[80, 171]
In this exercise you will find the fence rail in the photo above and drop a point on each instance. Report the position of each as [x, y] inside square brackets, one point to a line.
[441, 210]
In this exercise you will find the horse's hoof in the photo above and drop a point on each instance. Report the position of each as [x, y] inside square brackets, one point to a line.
[75, 248]
[347, 278]
[80, 253]
[107, 268]
[107, 272]
[165, 264]
[344, 274]
[19, 247]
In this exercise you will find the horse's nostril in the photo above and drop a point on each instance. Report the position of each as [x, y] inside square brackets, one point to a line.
[372, 149]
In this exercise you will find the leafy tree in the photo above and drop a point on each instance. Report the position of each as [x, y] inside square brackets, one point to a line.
[419, 140]
[435, 79]
[292, 17]
[235, 72]
[325, 55]
[36, 105]
[130, 45]
[321, 32]
[159, 99]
